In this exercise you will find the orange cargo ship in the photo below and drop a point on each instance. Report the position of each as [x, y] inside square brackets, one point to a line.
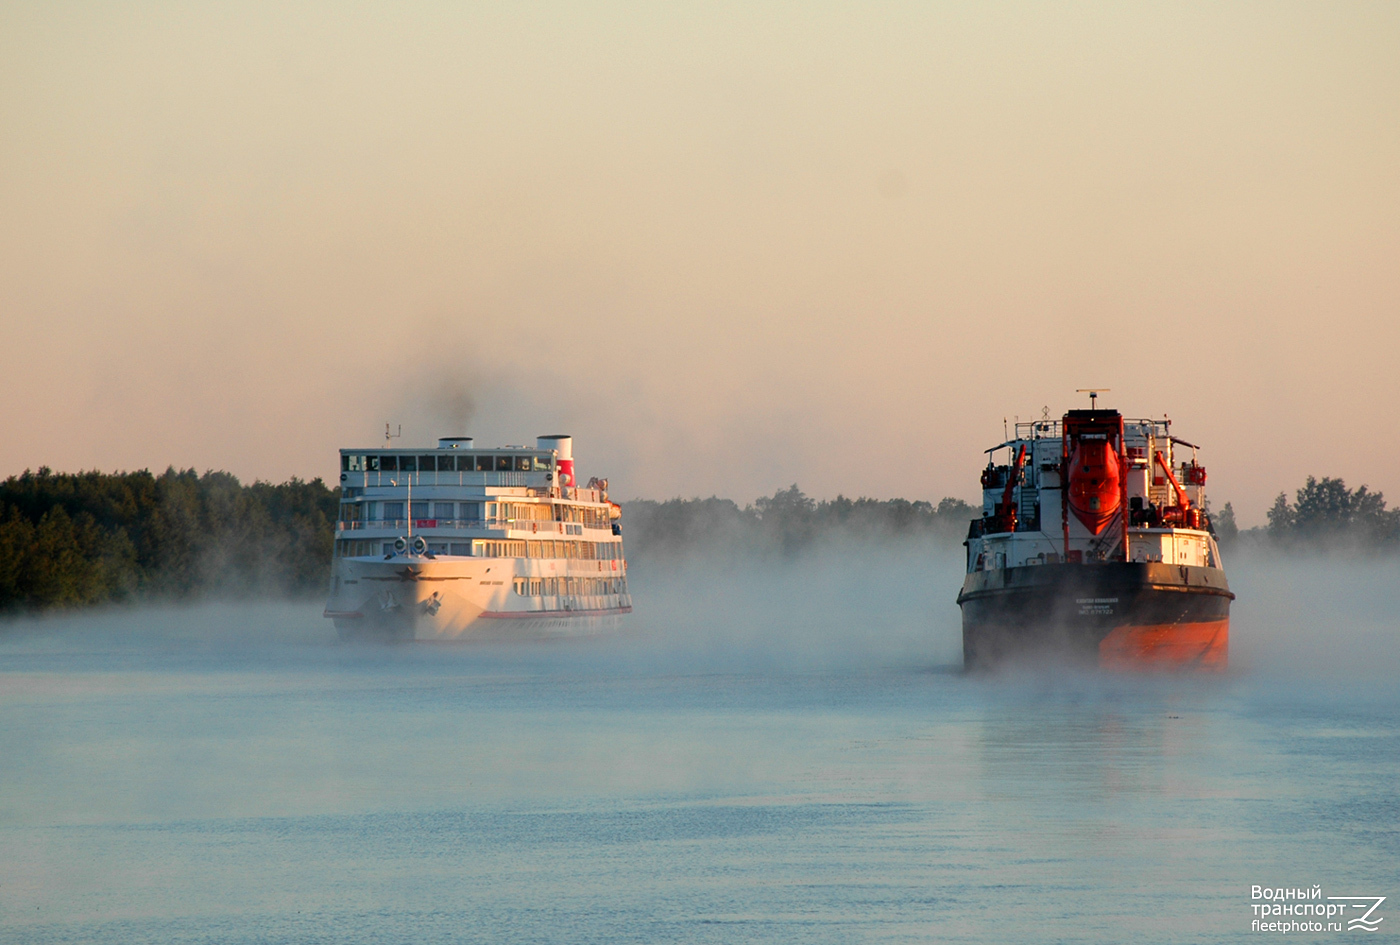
[1094, 544]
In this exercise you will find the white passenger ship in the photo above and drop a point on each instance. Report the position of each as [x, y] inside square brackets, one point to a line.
[461, 542]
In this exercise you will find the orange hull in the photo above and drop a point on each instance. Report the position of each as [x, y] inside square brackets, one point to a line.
[1201, 645]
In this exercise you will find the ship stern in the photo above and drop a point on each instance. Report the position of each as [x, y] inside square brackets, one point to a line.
[1116, 615]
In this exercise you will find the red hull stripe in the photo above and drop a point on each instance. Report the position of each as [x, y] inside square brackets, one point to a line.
[1205, 644]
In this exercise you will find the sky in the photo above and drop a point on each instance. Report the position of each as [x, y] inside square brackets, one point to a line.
[729, 247]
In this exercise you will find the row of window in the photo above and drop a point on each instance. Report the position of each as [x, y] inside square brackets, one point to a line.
[445, 462]
[569, 586]
[488, 548]
[474, 511]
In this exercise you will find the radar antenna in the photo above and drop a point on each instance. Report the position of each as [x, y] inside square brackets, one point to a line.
[1093, 393]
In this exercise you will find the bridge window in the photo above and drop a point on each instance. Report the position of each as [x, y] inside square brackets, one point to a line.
[466, 463]
[389, 463]
[358, 549]
[408, 464]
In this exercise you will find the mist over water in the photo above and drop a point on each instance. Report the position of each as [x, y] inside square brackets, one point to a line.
[1328, 620]
[773, 750]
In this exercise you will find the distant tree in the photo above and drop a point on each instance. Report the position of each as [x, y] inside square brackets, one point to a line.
[786, 522]
[16, 545]
[1280, 518]
[1325, 512]
[1226, 529]
[954, 509]
[787, 517]
[68, 540]
[1323, 508]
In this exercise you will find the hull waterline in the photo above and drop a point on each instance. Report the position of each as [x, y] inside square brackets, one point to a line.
[1116, 615]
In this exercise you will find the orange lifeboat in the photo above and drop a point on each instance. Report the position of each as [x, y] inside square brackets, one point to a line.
[1095, 484]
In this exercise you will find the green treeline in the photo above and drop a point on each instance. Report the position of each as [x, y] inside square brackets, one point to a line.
[93, 537]
[89, 538]
[1323, 515]
[785, 523]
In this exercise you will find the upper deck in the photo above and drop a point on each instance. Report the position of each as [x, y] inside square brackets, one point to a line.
[507, 466]
[1046, 457]
[503, 496]
[1092, 486]
[458, 469]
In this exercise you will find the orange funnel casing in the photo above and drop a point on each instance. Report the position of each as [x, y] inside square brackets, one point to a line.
[1095, 484]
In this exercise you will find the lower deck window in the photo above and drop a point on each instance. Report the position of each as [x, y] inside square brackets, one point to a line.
[498, 549]
[570, 586]
[359, 548]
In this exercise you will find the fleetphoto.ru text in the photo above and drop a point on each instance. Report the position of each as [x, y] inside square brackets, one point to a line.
[1294, 909]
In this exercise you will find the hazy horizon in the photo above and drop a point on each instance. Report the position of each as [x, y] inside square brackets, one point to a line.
[728, 248]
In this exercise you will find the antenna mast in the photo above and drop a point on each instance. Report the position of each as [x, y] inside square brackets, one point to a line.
[1093, 393]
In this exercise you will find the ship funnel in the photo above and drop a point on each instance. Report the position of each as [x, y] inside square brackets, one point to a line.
[563, 445]
[454, 442]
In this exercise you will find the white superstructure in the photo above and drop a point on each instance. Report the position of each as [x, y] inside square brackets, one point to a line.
[1152, 498]
[455, 542]
[1094, 543]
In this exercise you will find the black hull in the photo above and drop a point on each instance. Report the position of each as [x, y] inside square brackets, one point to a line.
[1114, 613]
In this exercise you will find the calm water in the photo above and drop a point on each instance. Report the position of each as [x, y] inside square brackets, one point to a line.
[810, 772]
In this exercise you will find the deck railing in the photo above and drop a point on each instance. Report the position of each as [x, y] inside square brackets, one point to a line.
[464, 524]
